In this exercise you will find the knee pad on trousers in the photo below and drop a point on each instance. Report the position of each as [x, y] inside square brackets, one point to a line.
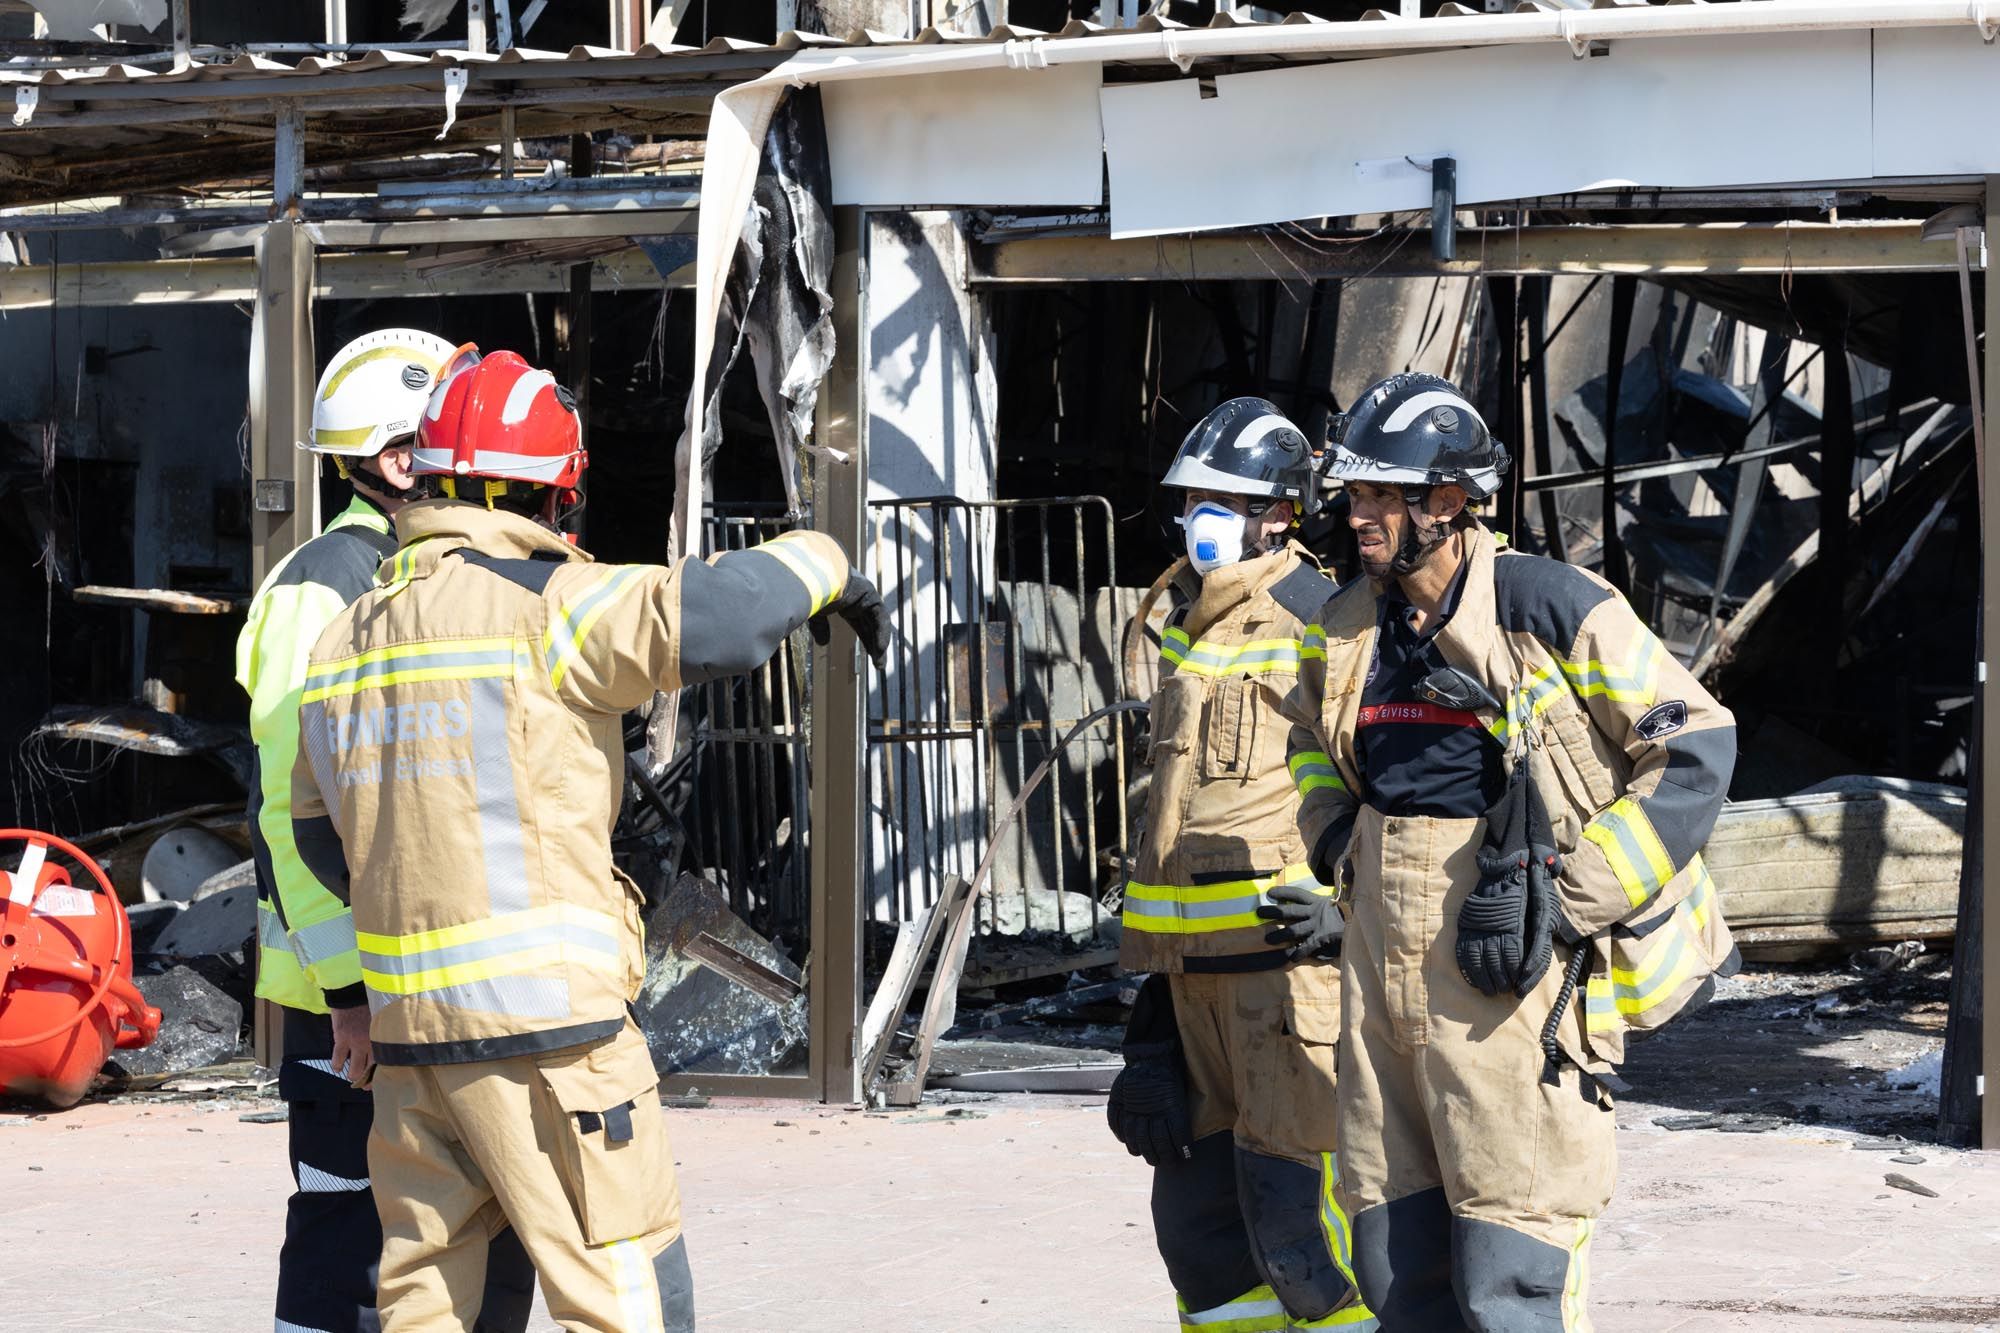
[509, 1297]
[1198, 1225]
[1403, 1263]
[670, 1271]
[1507, 1282]
[1283, 1203]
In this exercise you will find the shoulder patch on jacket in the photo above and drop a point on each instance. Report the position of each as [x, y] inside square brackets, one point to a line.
[533, 573]
[1533, 594]
[1303, 592]
[1663, 721]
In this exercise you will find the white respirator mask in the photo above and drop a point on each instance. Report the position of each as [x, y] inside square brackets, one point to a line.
[1214, 537]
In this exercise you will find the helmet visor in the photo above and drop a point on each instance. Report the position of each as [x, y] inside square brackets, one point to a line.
[463, 358]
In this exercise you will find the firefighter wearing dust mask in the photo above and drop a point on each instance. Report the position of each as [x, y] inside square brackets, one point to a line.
[461, 765]
[1511, 779]
[365, 414]
[1228, 1085]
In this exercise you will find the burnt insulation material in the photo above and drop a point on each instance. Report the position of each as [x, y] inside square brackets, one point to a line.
[776, 298]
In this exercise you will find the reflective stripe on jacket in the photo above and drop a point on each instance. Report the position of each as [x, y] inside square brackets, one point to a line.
[305, 934]
[1221, 818]
[463, 762]
[1631, 754]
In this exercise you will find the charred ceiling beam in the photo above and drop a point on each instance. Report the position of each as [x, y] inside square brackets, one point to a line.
[365, 233]
[1640, 250]
[340, 277]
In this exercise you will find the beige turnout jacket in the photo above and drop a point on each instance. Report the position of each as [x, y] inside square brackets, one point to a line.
[1221, 816]
[1631, 755]
[461, 765]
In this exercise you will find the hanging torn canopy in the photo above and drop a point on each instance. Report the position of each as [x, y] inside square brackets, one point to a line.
[776, 297]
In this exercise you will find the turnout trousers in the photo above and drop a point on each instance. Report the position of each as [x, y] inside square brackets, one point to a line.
[1472, 1183]
[333, 1238]
[570, 1148]
[1250, 1229]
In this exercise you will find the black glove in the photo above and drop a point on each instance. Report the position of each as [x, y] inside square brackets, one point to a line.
[1505, 929]
[1148, 1110]
[860, 605]
[1312, 922]
[1493, 924]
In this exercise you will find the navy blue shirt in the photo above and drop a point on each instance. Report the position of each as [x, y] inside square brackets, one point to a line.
[1420, 758]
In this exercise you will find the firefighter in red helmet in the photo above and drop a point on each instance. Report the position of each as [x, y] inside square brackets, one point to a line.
[460, 769]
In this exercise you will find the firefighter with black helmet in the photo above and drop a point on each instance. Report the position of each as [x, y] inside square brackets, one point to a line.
[1512, 780]
[461, 768]
[1228, 1086]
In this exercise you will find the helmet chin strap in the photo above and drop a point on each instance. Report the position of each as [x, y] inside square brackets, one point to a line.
[372, 485]
[1423, 536]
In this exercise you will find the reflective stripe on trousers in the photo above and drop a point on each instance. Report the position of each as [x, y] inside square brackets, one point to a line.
[1255, 1311]
[638, 1291]
[312, 1180]
[1339, 1243]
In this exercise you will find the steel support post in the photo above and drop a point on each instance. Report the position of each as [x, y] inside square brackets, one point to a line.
[1504, 300]
[573, 325]
[1535, 294]
[183, 36]
[1836, 489]
[1989, 812]
[629, 20]
[285, 499]
[1624, 290]
[284, 485]
[839, 713]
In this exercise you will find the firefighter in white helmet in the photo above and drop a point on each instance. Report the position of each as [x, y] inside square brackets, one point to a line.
[365, 414]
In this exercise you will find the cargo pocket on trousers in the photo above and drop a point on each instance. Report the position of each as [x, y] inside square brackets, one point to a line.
[611, 1149]
[1291, 1113]
[1315, 1018]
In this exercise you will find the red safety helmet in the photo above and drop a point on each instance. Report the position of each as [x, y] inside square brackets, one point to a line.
[500, 419]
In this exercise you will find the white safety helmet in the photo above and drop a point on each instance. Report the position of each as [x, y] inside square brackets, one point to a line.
[373, 392]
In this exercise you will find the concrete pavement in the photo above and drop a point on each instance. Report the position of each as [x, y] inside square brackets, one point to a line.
[1013, 1214]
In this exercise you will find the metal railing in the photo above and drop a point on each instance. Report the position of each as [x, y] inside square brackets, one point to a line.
[1008, 615]
[1008, 618]
[746, 819]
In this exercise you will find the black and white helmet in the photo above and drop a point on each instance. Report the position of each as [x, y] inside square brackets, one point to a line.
[1247, 446]
[1417, 431]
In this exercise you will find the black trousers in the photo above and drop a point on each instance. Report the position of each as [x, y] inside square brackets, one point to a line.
[333, 1237]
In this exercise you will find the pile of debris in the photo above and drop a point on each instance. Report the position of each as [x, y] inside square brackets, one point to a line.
[192, 930]
[1843, 896]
